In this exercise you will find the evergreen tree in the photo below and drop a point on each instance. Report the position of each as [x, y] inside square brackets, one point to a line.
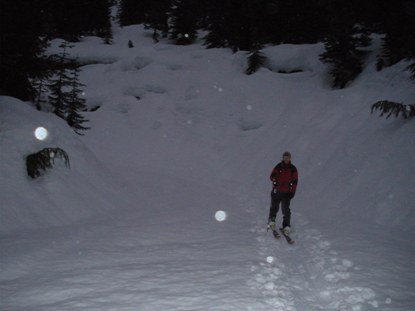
[153, 14]
[343, 44]
[217, 35]
[102, 24]
[65, 19]
[398, 24]
[217, 24]
[242, 25]
[294, 21]
[40, 88]
[59, 96]
[132, 12]
[76, 104]
[106, 35]
[157, 18]
[391, 52]
[235, 24]
[345, 58]
[184, 21]
[245, 25]
[65, 93]
[256, 60]
[72, 19]
[411, 69]
[21, 46]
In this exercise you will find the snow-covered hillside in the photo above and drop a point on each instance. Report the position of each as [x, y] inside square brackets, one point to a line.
[182, 132]
[63, 195]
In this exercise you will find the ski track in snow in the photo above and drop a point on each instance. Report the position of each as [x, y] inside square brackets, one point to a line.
[286, 282]
[144, 260]
[150, 259]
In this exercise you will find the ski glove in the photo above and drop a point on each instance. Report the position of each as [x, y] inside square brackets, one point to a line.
[291, 195]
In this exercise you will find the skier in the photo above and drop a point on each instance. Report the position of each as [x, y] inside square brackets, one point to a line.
[284, 178]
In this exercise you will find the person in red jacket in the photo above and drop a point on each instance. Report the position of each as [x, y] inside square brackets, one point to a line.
[284, 178]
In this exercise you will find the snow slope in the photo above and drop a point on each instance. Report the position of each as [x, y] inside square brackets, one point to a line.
[180, 133]
[57, 198]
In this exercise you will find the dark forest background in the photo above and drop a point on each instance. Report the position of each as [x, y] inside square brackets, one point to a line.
[344, 27]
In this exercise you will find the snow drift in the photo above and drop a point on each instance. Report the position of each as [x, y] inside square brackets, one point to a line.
[60, 196]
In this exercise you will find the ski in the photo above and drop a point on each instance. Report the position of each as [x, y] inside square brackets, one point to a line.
[274, 231]
[276, 234]
[287, 237]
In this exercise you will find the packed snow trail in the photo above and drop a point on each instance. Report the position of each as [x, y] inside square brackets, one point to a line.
[172, 254]
[166, 254]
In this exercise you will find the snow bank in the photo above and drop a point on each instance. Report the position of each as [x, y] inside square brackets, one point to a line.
[192, 112]
[62, 195]
[292, 58]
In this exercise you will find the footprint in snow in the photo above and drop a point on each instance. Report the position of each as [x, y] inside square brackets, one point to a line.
[317, 283]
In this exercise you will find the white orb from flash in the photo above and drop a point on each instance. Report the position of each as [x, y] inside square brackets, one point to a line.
[41, 133]
[220, 216]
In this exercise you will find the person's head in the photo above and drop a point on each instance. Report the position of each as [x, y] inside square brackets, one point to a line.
[286, 157]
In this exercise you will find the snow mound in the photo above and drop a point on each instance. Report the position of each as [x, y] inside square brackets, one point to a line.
[290, 58]
[60, 196]
[136, 64]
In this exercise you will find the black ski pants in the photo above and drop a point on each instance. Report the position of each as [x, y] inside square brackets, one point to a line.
[284, 199]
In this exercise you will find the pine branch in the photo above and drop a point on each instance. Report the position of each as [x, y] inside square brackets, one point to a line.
[390, 108]
[411, 69]
[256, 60]
[37, 163]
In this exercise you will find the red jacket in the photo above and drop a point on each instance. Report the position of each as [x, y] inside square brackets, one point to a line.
[285, 178]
